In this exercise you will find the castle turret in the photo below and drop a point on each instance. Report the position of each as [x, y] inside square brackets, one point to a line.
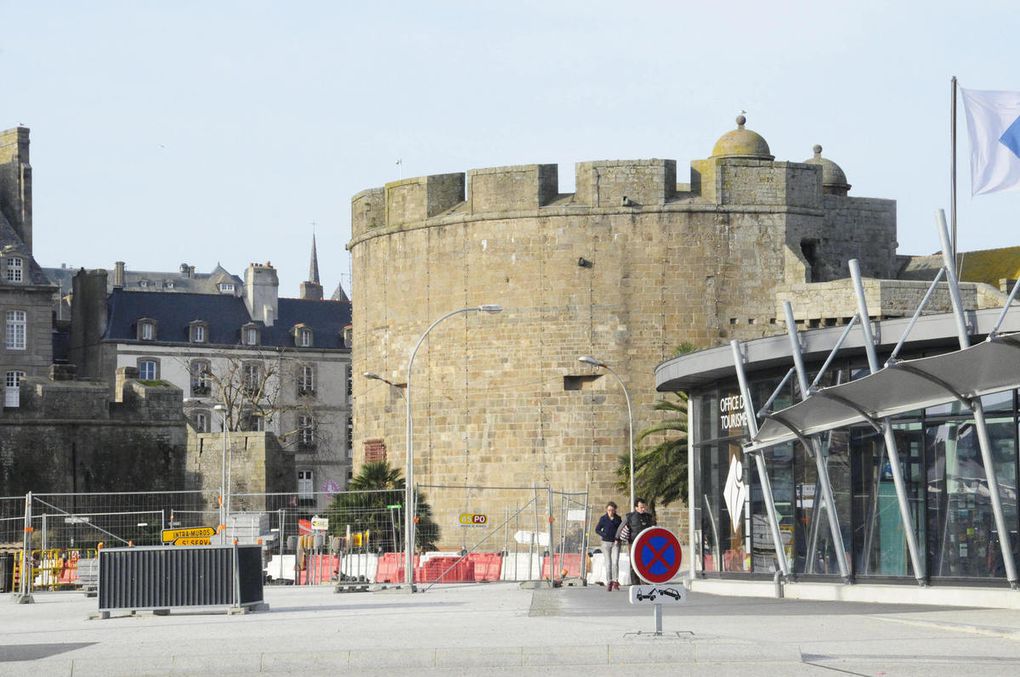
[311, 290]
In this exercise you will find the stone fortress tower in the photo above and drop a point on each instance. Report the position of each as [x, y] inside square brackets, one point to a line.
[626, 268]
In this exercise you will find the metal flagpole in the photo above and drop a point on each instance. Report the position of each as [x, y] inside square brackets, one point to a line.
[952, 169]
[887, 431]
[763, 476]
[977, 408]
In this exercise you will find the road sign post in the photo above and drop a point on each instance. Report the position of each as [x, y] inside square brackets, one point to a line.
[655, 556]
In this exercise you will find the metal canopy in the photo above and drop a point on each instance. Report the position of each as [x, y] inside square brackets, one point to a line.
[988, 367]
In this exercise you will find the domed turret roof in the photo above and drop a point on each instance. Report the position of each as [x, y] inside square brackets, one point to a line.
[742, 143]
[833, 178]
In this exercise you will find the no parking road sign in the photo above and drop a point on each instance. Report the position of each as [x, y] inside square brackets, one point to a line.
[656, 555]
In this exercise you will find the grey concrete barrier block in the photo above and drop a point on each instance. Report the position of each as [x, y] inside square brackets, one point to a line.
[366, 659]
[672, 652]
[721, 652]
[220, 664]
[480, 657]
[539, 656]
[296, 662]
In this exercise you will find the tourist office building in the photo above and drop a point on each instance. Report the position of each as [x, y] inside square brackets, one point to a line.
[946, 486]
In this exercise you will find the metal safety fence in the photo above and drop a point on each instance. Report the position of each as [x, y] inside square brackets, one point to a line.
[464, 534]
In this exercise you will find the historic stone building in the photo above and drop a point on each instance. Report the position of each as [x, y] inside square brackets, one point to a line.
[271, 364]
[26, 295]
[626, 268]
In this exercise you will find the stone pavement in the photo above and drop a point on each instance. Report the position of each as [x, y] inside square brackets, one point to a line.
[503, 630]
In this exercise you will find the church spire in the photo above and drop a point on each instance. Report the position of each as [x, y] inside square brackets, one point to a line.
[311, 290]
[313, 267]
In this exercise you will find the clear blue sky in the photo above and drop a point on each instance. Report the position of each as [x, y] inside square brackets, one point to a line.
[165, 132]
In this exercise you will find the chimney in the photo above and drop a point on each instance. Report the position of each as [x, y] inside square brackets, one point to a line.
[261, 292]
[118, 275]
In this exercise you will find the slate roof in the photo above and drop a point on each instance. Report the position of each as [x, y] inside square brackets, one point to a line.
[163, 281]
[10, 238]
[224, 316]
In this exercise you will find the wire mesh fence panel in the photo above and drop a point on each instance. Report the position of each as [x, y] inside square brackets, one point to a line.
[573, 517]
[83, 520]
[12, 520]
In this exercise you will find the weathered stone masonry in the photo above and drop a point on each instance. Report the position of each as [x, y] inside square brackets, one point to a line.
[626, 268]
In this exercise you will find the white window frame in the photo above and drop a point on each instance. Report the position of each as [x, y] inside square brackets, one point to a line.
[306, 379]
[251, 377]
[15, 269]
[304, 338]
[250, 335]
[306, 485]
[306, 431]
[12, 388]
[202, 419]
[142, 372]
[201, 380]
[147, 331]
[16, 330]
[225, 287]
[198, 333]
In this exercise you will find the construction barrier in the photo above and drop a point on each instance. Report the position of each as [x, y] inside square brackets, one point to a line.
[565, 566]
[445, 570]
[390, 567]
[487, 566]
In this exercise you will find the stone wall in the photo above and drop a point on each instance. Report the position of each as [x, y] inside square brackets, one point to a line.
[258, 465]
[68, 436]
[501, 399]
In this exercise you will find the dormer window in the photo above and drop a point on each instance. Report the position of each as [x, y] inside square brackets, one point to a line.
[15, 269]
[146, 330]
[169, 284]
[250, 335]
[198, 332]
[302, 336]
[143, 283]
[226, 287]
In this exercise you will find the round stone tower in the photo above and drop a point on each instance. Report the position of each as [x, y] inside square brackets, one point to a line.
[627, 268]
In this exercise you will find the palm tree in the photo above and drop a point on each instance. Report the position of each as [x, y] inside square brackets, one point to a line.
[365, 507]
[660, 471]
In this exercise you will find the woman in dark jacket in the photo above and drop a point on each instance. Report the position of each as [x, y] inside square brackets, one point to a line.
[606, 529]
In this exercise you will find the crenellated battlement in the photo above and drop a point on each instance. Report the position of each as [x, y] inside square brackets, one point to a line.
[715, 182]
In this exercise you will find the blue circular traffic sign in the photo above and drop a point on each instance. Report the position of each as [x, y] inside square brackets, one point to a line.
[655, 555]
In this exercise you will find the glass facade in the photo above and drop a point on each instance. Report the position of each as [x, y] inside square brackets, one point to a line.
[943, 469]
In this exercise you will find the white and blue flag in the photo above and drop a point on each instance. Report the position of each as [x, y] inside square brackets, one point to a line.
[993, 123]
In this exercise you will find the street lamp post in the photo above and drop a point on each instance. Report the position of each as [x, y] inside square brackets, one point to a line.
[588, 359]
[409, 471]
[224, 476]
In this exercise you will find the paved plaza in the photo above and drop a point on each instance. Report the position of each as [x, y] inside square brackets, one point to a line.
[502, 629]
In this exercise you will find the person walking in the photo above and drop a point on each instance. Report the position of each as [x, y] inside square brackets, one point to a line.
[635, 522]
[607, 527]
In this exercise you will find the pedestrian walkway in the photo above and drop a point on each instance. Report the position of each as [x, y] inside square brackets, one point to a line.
[501, 629]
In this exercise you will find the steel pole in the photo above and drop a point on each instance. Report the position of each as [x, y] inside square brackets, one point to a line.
[630, 428]
[821, 467]
[409, 461]
[1005, 545]
[887, 432]
[763, 476]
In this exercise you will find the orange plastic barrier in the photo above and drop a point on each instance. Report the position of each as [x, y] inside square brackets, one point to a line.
[570, 562]
[487, 565]
[445, 570]
[390, 567]
[321, 568]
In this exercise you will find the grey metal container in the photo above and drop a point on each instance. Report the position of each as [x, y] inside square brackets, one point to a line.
[175, 577]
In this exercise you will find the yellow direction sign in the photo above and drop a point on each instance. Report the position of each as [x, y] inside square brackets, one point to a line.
[173, 535]
[193, 541]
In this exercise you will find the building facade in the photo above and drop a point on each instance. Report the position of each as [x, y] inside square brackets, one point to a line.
[626, 268]
[26, 294]
[243, 358]
[946, 487]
